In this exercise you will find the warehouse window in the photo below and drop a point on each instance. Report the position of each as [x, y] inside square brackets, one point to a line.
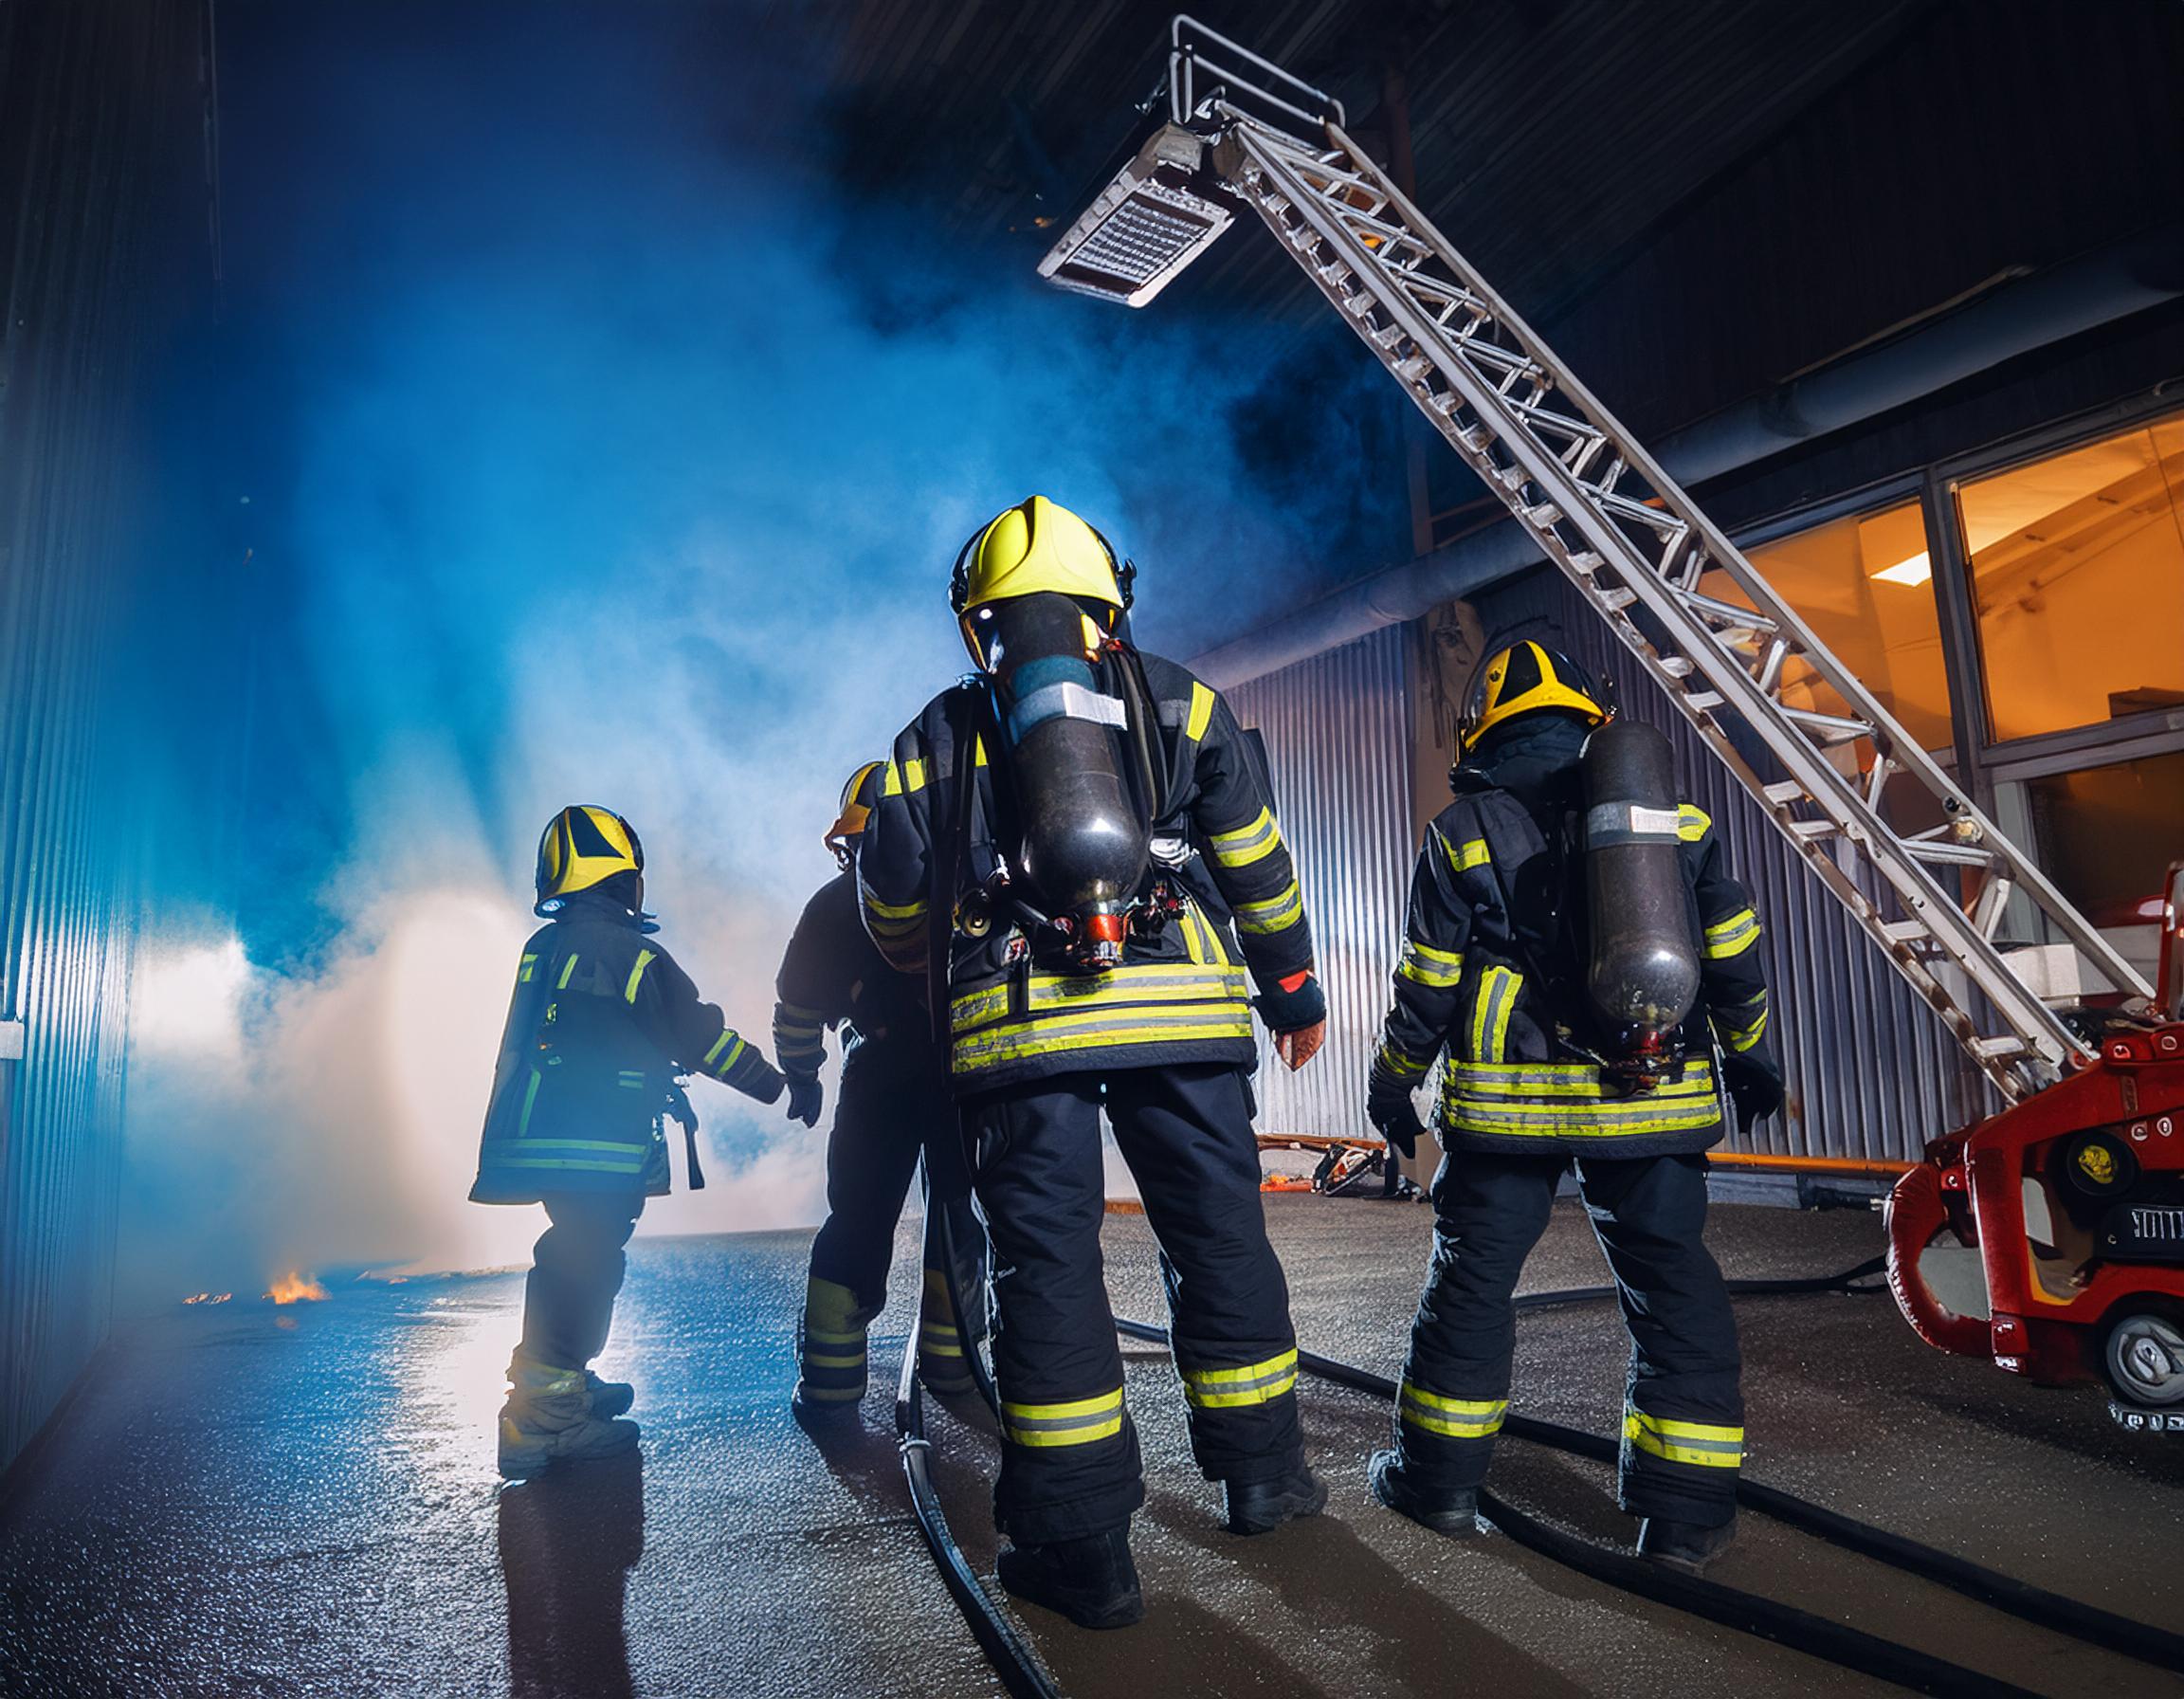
[1863, 584]
[2107, 834]
[2077, 569]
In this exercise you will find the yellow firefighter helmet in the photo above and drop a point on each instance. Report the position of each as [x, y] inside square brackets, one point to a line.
[1525, 678]
[583, 846]
[854, 813]
[1038, 545]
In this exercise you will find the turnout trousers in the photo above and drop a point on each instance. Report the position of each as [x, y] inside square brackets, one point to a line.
[577, 1270]
[1683, 1413]
[1069, 1460]
[892, 1105]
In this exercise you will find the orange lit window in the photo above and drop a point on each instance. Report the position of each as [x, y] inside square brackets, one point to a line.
[2078, 581]
[1864, 586]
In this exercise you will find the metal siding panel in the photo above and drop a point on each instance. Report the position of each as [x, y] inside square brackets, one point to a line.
[1338, 731]
[88, 97]
[1872, 1073]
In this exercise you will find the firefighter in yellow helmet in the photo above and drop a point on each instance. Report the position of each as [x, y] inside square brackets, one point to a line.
[894, 1104]
[1502, 968]
[1078, 847]
[602, 1023]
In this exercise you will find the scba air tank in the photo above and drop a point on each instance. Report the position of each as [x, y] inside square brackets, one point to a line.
[1642, 973]
[1084, 839]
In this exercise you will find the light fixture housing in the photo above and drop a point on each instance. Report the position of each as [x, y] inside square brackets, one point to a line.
[1915, 569]
[1147, 223]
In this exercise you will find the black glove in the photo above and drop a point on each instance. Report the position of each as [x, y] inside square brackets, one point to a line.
[1757, 1095]
[805, 1096]
[1286, 1009]
[1392, 1111]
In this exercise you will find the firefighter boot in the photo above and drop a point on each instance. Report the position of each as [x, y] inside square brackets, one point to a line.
[1684, 1546]
[609, 1398]
[1092, 1580]
[548, 1420]
[1257, 1506]
[1454, 1514]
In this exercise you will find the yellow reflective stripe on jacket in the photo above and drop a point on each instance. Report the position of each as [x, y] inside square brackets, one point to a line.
[1453, 1419]
[894, 920]
[644, 959]
[1398, 1064]
[903, 778]
[1742, 1037]
[1062, 1034]
[1201, 711]
[1079, 1422]
[1276, 914]
[525, 968]
[1692, 823]
[1248, 843]
[1127, 986]
[1252, 1384]
[1490, 1013]
[1698, 1443]
[568, 968]
[1732, 937]
[1582, 1119]
[592, 1156]
[1572, 1080]
[1464, 857]
[728, 1037]
[1423, 964]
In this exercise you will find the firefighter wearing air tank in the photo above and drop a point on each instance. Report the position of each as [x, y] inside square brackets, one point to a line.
[894, 1104]
[602, 1023]
[1577, 947]
[1079, 847]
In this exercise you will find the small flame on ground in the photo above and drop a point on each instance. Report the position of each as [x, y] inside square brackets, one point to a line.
[297, 1287]
[208, 1297]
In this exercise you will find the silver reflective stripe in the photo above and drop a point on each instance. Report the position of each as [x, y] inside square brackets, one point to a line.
[1070, 700]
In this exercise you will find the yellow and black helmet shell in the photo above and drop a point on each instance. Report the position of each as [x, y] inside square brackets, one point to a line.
[1529, 678]
[856, 810]
[1039, 546]
[585, 846]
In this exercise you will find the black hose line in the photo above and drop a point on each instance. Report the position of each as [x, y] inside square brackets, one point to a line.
[1770, 1618]
[1013, 1660]
[1737, 1288]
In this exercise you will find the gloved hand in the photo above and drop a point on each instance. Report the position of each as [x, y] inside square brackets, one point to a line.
[1389, 1109]
[1295, 1008]
[805, 1096]
[1756, 1092]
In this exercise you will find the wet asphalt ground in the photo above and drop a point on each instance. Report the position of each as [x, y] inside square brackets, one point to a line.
[245, 1500]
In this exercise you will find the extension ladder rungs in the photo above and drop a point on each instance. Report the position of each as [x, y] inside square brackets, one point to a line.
[1702, 701]
[1788, 790]
[1997, 1049]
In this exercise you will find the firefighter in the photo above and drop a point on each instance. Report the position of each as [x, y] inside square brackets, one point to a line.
[895, 1103]
[602, 1022]
[1493, 969]
[1087, 837]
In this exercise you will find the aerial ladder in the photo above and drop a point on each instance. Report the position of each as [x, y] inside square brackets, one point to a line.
[1723, 646]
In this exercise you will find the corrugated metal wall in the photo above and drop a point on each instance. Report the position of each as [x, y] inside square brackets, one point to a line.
[1872, 1073]
[88, 98]
[1338, 731]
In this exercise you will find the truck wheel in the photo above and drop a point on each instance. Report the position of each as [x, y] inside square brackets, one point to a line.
[2144, 1358]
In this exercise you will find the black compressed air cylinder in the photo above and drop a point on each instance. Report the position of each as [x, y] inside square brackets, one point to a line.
[1642, 973]
[1083, 846]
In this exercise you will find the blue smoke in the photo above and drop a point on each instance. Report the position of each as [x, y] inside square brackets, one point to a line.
[600, 446]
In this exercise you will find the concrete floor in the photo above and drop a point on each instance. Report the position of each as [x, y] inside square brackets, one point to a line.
[252, 1501]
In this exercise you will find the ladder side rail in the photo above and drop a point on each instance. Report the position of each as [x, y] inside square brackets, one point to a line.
[1890, 739]
[1570, 501]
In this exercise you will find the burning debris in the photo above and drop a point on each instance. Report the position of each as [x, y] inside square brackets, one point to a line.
[208, 1297]
[297, 1287]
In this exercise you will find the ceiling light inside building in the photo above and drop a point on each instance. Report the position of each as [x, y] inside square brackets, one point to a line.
[1147, 223]
[1917, 570]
